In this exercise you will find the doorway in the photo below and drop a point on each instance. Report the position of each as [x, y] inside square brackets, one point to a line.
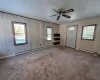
[71, 36]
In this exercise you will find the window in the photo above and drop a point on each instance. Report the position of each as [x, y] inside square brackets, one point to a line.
[19, 33]
[49, 33]
[88, 32]
[71, 28]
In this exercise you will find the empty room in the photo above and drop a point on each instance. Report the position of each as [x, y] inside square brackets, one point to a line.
[49, 39]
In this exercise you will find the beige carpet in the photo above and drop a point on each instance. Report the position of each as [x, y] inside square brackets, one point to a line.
[51, 64]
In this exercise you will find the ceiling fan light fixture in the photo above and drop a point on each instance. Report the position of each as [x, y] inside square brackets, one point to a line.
[62, 12]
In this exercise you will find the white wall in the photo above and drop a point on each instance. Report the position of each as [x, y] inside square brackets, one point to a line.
[93, 46]
[36, 34]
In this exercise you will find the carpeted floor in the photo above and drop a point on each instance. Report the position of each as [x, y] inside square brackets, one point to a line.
[51, 64]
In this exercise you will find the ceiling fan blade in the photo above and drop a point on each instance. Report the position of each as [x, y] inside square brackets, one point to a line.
[66, 16]
[55, 10]
[67, 11]
[58, 17]
[53, 15]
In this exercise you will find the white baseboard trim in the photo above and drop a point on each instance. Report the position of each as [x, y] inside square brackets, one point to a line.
[32, 50]
[86, 51]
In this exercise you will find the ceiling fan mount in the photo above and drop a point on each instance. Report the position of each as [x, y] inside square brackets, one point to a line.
[62, 12]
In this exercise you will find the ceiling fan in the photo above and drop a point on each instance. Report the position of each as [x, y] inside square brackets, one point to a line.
[62, 12]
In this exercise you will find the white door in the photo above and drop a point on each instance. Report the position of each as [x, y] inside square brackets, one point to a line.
[71, 36]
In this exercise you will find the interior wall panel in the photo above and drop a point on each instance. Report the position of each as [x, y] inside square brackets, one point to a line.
[36, 34]
[97, 42]
[32, 34]
[63, 34]
[55, 30]
[93, 46]
[41, 34]
[9, 35]
[86, 44]
[3, 44]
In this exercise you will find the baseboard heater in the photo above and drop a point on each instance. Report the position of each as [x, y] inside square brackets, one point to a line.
[32, 50]
[87, 51]
[27, 51]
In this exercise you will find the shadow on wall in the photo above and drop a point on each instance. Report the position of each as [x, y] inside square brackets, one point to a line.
[2, 55]
[2, 59]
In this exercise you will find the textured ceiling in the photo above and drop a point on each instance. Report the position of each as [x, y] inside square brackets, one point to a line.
[42, 9]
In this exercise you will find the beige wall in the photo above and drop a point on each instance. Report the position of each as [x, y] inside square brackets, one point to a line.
[36, 31]
[93, 46]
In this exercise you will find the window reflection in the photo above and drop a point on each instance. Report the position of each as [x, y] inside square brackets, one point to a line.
[49, 33]
[19, 33]
[88, 32]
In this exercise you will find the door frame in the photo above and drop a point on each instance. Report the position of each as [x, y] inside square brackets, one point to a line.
[76, 35]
